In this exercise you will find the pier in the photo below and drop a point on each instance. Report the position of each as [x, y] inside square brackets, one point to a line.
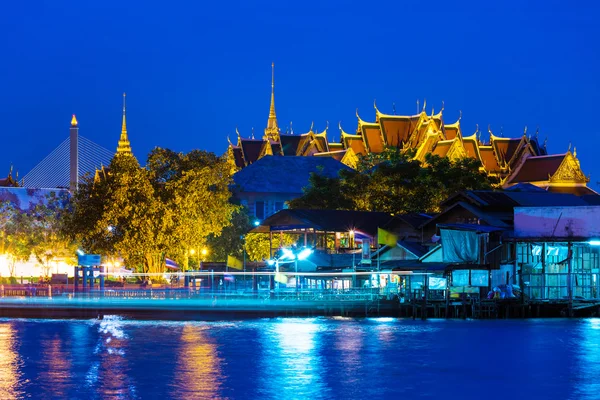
[165, 303]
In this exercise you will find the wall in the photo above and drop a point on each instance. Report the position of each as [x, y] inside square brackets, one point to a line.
[557, 222]
[249, 200]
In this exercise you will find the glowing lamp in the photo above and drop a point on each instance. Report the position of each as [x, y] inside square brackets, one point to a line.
[287, 253]
[256, 223]
[270, 262]
[594, 242]
[303, 255]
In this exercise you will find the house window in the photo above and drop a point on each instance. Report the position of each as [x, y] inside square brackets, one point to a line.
[259, 209]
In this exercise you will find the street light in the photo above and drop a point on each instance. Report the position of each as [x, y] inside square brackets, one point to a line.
[288, 256]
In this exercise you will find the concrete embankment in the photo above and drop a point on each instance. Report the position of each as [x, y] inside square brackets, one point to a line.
[189, 309]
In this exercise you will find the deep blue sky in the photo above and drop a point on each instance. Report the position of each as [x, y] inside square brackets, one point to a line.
[193, 71]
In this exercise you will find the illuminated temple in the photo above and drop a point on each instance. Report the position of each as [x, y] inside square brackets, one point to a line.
[513, 160]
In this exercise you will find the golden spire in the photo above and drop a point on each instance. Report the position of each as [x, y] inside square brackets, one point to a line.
[73, 121]
[124, 146]
[272, 130]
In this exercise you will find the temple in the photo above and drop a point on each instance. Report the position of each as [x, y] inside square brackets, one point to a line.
[123, 147]
[513, 161]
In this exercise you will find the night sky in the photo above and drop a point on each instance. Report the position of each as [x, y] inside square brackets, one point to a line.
[193, 71]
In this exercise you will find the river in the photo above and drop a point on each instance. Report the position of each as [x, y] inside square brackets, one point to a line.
[308, 358]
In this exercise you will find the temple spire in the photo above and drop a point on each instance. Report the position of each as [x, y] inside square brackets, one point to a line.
[272, 130]
[124, 146]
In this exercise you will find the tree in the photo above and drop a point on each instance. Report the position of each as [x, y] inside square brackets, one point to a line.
[257, 244]
[147, 214]
[232, 238]
[46, 238]
[394, 181]
[14, 238]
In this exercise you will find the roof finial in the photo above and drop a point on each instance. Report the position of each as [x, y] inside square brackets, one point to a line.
[252, 132]
[525, 132]
[418, 107]
[291, 128]
[442, 106]
[537, 132]
[375, 105]
[424, 105]
[459, 115]
[394, 108]
[312, 125]
[501, 131]
[545, 142]
[229, 140]
[124, 127]
[272, 130]
[73, 121]
[574, 151]
[238, 134]
[326, 125]
[569, 146]
[124, 145]
[432, 111]
[490, 131]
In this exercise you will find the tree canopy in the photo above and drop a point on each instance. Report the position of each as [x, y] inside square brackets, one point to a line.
[394, 182]
[146, 214]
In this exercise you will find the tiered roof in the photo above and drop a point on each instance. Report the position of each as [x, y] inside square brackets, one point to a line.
[512, 160]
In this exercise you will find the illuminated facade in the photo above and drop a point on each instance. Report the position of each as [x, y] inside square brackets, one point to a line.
[512, 160]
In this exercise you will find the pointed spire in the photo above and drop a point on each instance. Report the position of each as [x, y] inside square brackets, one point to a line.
[124, 146]
[73, 121]
[272, 130]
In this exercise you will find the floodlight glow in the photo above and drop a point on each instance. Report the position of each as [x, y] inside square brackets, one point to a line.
[303, 255]
[80, 252]
[287, 253]
[111, 228]
[594, 242]
[256, 223]
[270, 262]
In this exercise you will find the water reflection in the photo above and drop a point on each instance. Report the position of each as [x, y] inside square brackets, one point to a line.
[110, 371]
[587, 363]
[198, 368]
[292, 365]
[55, 378]
[10, 362]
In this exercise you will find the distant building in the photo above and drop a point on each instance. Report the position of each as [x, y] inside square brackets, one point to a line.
[265, 192]
[9, 181]
[512, 160]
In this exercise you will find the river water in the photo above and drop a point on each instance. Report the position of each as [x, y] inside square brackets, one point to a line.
[312, 358]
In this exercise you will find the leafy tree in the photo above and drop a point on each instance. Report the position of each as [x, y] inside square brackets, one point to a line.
[257, 244]
[147, 214]
[14, 235]
[46, 238]
[393, 181]
[232, 238]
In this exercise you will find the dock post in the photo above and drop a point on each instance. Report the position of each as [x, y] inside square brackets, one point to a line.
[570, 278]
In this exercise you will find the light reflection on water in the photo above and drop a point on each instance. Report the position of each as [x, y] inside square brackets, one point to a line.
[313, 358]
[10, 364]
[198, 370]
